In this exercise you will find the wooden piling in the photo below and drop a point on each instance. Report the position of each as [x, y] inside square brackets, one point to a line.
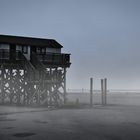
[102, 91]
[105, 90]
[65, 91]
[91, 92]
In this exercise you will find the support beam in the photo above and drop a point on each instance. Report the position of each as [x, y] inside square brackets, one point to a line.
[104, 91]
[91, 92]
[65, 92]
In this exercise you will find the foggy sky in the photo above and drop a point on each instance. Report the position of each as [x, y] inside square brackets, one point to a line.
[101, 35]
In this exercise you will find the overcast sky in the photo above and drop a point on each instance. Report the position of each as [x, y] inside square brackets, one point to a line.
[103, 36]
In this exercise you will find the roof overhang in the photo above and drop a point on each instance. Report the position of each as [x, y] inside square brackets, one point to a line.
[29, 41]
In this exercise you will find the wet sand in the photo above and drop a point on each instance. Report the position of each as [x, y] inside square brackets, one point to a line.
[111, 122]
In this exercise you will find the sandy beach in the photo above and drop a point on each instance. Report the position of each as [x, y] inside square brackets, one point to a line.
[111, 122]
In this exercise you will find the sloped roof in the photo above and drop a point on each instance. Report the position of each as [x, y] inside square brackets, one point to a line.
[29, 41]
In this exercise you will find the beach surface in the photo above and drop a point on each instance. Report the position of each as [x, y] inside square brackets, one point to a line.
[110, 122]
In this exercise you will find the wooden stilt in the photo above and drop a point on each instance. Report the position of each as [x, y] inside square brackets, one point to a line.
[105, 90]
[91, 92]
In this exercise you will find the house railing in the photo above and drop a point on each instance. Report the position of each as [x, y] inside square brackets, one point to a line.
[54, 58]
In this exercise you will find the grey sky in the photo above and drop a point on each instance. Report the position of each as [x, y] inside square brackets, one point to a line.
[102, 36]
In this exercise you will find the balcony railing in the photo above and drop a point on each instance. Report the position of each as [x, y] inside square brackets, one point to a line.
[50, 59]
[54, 58]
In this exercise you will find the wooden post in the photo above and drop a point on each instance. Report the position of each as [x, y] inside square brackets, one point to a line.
[2, 84]
[50, 88]
[102, 91]
[10, 86]
[105, 90]
[91, 92]
[18, 93]
[65, 92]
